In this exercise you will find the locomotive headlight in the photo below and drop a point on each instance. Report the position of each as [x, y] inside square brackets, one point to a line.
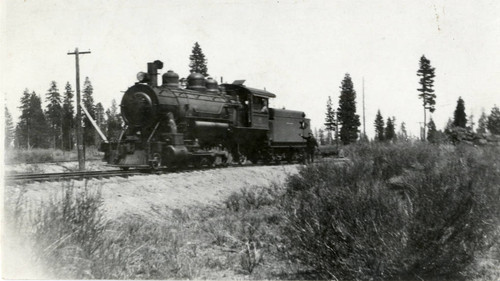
[142, 77]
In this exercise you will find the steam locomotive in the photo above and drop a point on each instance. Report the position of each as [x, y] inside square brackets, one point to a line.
[202, 124]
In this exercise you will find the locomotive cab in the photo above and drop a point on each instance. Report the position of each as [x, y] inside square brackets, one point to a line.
[254, 105]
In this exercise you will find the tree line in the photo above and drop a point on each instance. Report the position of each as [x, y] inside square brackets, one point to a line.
[55, 125]
[459, 128]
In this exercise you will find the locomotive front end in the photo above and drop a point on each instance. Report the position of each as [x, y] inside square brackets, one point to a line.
[139, 106]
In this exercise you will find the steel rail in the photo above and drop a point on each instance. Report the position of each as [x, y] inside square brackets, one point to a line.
[68, 176]
[79, 175]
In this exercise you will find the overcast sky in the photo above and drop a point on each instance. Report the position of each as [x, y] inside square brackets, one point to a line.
[299, 50]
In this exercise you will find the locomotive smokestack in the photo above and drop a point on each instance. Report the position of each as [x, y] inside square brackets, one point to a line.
[153, 72]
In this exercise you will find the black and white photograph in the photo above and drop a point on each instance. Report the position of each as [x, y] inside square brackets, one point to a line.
[250, 140]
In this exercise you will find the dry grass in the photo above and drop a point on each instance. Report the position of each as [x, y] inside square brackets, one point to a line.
[394, 212]
[41, 155]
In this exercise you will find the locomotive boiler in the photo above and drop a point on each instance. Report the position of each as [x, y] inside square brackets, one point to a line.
[202, 124]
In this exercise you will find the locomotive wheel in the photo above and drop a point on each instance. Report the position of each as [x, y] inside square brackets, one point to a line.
[156, 161]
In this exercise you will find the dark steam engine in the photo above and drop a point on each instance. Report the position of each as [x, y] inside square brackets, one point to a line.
[203, 124]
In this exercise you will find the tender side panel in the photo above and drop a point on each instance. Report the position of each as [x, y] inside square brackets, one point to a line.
[286, 126]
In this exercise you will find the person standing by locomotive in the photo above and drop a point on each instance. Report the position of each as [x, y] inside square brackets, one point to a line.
[311, 146]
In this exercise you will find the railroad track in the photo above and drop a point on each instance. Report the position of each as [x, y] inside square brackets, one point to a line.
[79, 175]
[69, 176]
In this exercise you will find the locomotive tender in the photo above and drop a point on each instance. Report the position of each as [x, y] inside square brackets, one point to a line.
[203, 124]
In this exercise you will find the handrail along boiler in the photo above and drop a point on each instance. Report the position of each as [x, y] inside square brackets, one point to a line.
[202, 124]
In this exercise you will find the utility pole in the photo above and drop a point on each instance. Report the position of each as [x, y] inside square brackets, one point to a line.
[422, 130]
[337, 129]
[364, 127]
[79, 135]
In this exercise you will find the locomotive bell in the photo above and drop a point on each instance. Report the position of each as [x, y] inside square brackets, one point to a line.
[170, 79]
[196, 81]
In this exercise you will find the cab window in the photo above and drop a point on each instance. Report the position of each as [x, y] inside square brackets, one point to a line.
[260, 104]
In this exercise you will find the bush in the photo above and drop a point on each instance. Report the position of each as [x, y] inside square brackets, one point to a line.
[397, 211]
[251, 198]
[342, 227]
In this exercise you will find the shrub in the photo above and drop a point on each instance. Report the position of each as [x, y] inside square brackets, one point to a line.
[341, 227]
[455, 212]
[395, 212]
[254, 197]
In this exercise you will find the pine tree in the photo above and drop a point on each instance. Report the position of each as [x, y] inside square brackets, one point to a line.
[88, 102]
[68, 123]
[9, 129]
[24, 125]
[390, 132]
[432, 134]
[482, 124]
[330, 122]
[427, 82]
[346, 112]
[459, 117]
[379, 126]
[198, 63]
[32, 129]
[40, 127]
[54, 114]
[114, 122]
[494, 121]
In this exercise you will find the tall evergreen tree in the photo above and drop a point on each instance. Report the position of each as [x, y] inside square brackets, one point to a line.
[198, 63]
[426, 72]
[114, 122]
[390, 132]
[346, 112]
[32, 129]
[9, 129]
[54, 114]
[24, 125]
[494, 121]
[482, 124]
[40, 126]
[379, 126]
[330, 122]
[68, 123]
[88, 102]
[459, 117]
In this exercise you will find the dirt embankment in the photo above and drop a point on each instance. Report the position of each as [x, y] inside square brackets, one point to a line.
[153, 195]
